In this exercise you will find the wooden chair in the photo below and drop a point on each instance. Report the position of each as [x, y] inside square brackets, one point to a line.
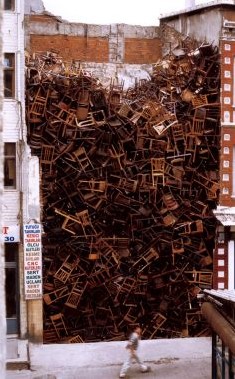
[120, 245]
[80, 157]
[109, 257]
[199, 100]
[92, 185]
[146, 259]
[76, 294]
[74, 339]
[125, 110]
[199, 208]
[158, 171]
[141, 285]
[198, 123]
[201, 278]
[192, 143]
[126, 286]
[72, 223]
[177, 246]
[178, 138]
[66, 269]
[190, 227]
[210, 185]
[56, 295]
[59, 325]
[47, 157]
[116, 158]
[150, 110]
[86, 124]
[99, 276]
[49, 335]
[37, 109]
[99, 118]
[170, 201]
[168, 120]
[151, 330]
[83, 104]
[168, 218]
[115, 94]
[131, 315]
[63, 113]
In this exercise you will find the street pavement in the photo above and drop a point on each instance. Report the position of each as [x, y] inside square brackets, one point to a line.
[180, 358]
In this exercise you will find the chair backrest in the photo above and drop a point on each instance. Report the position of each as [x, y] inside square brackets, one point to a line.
[47, 154]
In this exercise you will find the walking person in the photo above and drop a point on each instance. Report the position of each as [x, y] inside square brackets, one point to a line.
[132, 347]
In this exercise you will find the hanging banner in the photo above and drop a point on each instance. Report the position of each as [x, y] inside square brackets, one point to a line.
[32, 261]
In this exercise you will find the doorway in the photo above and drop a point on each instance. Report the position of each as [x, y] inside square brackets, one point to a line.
[11, 280]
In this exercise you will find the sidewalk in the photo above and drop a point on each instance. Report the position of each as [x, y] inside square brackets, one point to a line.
[168, 358]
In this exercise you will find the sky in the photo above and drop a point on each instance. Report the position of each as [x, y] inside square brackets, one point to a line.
[133, 12]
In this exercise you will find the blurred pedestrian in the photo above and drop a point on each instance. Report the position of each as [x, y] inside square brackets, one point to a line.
[132, 347]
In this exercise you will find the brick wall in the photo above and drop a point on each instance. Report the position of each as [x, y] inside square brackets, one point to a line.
[220, 265]
[72, 47]
[141, 50]
[226, 163]
[227, 123]
[116, 43]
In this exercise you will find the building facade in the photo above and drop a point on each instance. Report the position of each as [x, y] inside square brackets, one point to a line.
[20, 204]
[2, 258]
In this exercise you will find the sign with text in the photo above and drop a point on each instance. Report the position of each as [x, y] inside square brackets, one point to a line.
[32, 261]
[11, 233]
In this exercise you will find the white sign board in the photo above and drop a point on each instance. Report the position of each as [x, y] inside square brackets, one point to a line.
[11, 234]
[32, 261]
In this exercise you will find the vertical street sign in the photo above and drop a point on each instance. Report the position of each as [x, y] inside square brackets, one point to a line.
[32, 261]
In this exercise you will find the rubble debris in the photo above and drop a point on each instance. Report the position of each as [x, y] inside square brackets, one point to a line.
[128, 183]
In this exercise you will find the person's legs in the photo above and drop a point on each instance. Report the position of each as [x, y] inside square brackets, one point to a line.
[143, 367]
[125, 366]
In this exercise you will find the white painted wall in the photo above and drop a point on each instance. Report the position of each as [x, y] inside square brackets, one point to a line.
[22, 204]
[15, 129]
[33, 189]
[126, 72]
[2, 258]
[231, 265]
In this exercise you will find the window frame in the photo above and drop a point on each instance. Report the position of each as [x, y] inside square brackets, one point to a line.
[9, 71]
[10, 157]
[9, 5]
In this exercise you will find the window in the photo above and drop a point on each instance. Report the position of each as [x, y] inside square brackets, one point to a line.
[10, 165]
[9, 5]
[9, 75]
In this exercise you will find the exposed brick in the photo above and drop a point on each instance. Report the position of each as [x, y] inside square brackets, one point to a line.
[72, 47]
[141, 51]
